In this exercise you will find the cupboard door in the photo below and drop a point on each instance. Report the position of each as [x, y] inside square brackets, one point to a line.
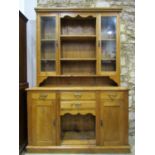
[48, 44]
[111, 122]
[44, 122]
[108, 44]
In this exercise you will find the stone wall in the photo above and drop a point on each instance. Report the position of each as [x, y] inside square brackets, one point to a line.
[127, 42]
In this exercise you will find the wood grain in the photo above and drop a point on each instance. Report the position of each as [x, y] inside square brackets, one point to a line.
[77, 105]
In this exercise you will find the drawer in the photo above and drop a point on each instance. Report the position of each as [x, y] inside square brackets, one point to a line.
[44, 96]
[114, 103]
[112, 95]
[78, 105]
[77, 95]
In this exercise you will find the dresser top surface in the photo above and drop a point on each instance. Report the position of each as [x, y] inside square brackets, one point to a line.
[78, 88]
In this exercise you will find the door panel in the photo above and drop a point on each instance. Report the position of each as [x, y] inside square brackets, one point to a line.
[44, 119]
[111, 122]
[108, 44]
[48, 44]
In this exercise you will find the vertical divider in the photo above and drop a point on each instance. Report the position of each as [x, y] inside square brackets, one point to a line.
[118, 49]
[38, 65]
[58, 117]
[98, 48]
[58, 33]
[97, 118]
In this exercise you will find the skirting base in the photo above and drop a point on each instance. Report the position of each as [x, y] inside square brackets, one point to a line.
[79, 149]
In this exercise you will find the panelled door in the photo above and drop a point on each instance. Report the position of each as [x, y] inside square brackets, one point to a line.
[108, 44]
[111, 122]
[44, 122]
[47, 44]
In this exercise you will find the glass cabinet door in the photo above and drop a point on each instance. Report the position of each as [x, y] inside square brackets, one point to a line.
[48, 44]
[108, 43]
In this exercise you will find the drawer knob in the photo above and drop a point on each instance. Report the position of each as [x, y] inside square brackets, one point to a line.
[77, 95]
[112, 96]
[43, 96]
[77, 105]
[72, 104]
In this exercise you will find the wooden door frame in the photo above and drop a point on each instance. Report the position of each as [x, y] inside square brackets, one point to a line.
[38, 45]
[117, 72]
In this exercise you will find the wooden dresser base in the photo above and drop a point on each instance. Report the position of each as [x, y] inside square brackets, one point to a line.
[79, 149]
[49, 132]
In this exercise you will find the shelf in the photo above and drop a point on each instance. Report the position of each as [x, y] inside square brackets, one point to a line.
[48, 59]
[108, 39]
[78, 142]
[110, 73]
[78, 37]
[77, 75]
[108, 59]
[78, 59]
[74, 138]
[47, 40]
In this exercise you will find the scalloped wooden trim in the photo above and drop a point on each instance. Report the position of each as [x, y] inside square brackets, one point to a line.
[77, 16]
[75, 112]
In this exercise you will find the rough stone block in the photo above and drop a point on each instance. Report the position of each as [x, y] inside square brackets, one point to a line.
[101, 3]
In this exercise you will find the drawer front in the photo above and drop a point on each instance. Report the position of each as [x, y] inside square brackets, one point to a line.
[77, 96]
[78, 105]
[112, 95]
[43, 95]
[113, 103]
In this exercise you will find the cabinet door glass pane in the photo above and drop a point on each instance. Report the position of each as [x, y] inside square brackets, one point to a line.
[48, 50]
[48, 44]
[108, 43]
[48, 26]
[47, 66]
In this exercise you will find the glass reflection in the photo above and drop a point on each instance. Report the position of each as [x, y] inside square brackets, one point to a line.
[108, 26]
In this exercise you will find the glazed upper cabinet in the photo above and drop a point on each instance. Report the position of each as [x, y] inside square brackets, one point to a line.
[48, 44]
[78, 44]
